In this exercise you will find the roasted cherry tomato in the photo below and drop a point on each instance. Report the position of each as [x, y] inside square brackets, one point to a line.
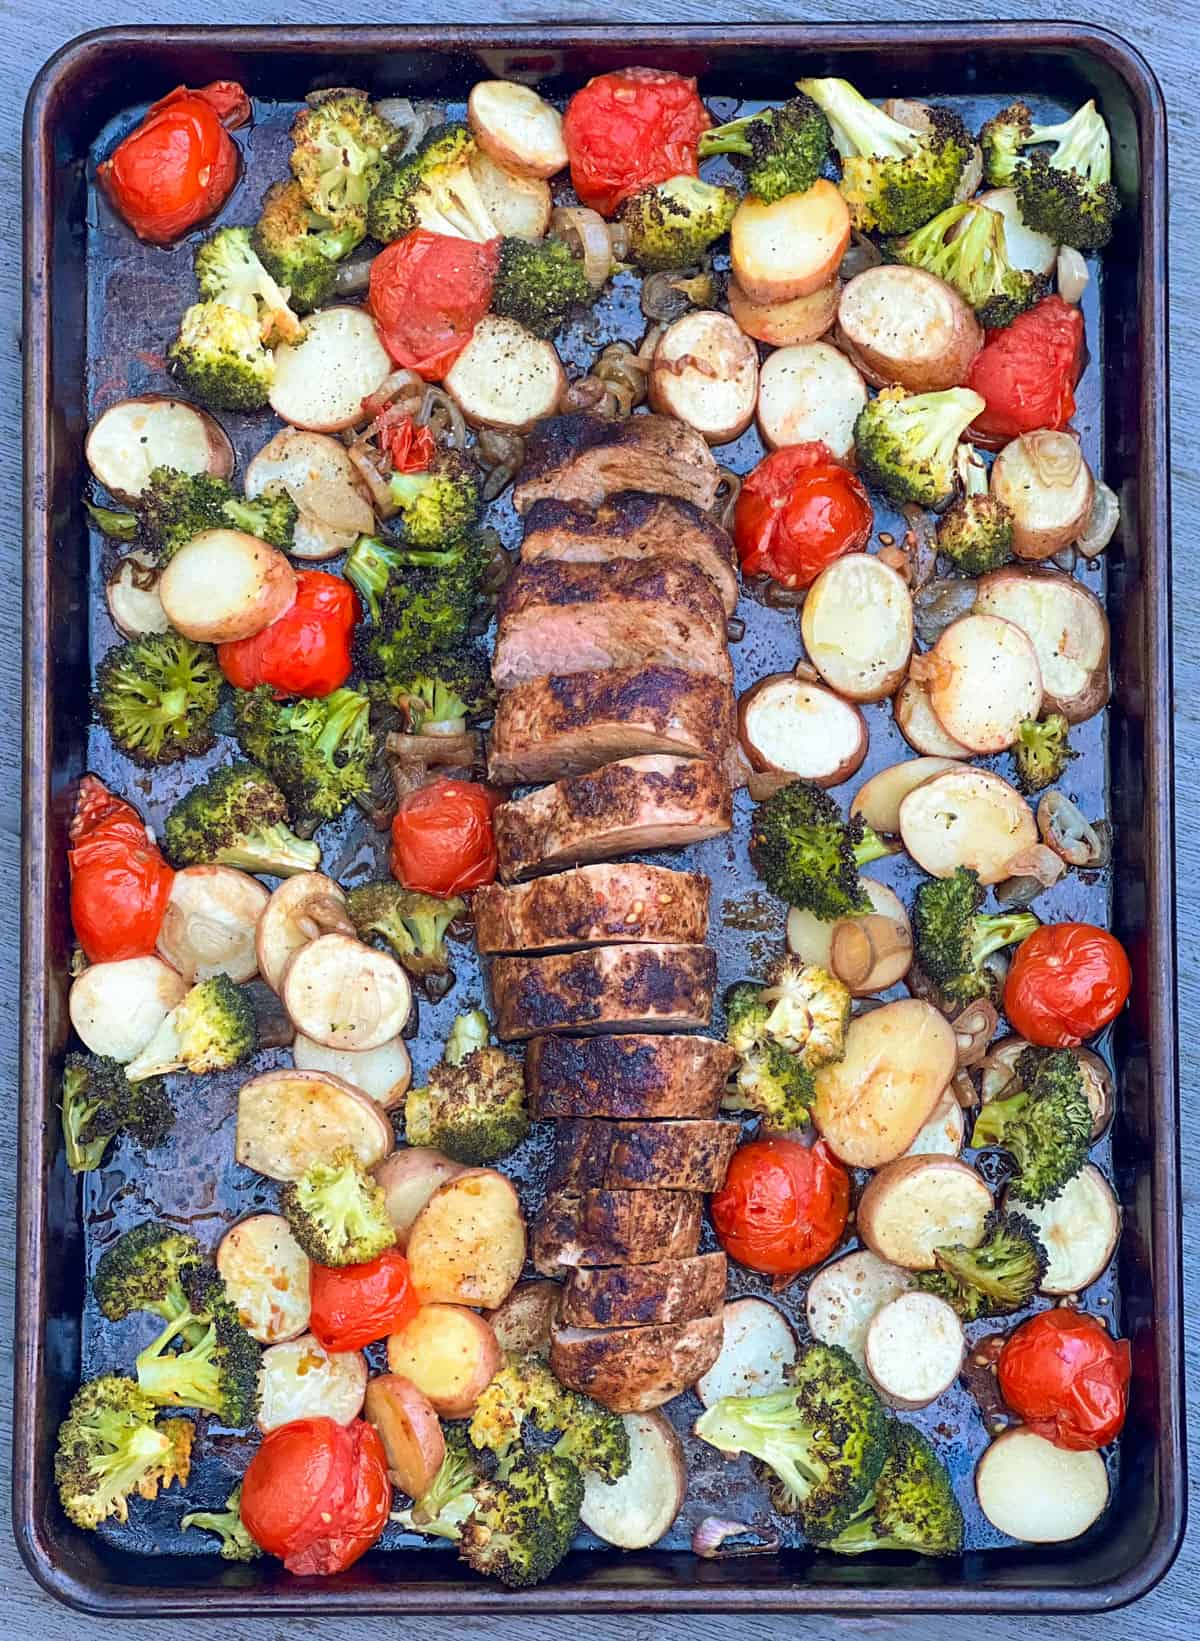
[1065, 1375]
[353, 1305]
[178, 167]
[782, 1207]
[428, 293]
[628, 130]
[442, 838]
[1065, 983]
[307, 650]
[1027, 372]
[797, 512]
[120, 883]
[316, 1494]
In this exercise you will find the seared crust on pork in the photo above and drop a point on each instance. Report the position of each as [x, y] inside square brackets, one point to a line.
[607, 988]
[689, 1154]
[585, 458]
[623, 901]
[633, 1369]
[634, 1076]
[614, 1228]
[619, 1296]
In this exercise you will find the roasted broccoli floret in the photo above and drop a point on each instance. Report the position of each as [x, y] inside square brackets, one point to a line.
[237, 817]
[437, 507]
[211, 1029]
[773, 1084]
[824, 1438]
[473, 1106]
[99, 1102]
[999, 1275]
[110, 1447]
[443, 701]
[592, 1437]
[953, 939]
[782, 1032]
[157, 695]
[448, 1500]
[319, 752]
[746, 1014]
[422, 614]
[1042, 751]
[228, 271]
[145, 1270]
[236, 1543]
[911, 1507]
[299, 248]
[1068, 194]
[1045, 1127]
[220, 357]
[976, 533]
[337, 1211]
[524, 1519]
[539, 284]
[175, 507]
[808, 854]
[413, 925]
[338, 149]
[893, 178]
[809, 1010]
[906, 443]
[673, 223]
[780, 151]
[974, 259]
[432, 188]
[219, 1373]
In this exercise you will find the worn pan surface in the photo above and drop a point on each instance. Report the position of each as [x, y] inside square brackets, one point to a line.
[100, 310]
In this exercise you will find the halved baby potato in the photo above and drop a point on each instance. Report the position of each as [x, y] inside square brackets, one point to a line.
[983, 680]
[266, 1275]
[384, 1073]
[945, 1132]
[857, 624]
[878, 800]
[1037, 1492]
[918, 723]
[705, 373]
[520, 206]
[966, 817]
[808, 392]
[1079, 1229]
[506, 377]
[903, 325]
[300, 1379]
[523, 1323]
[914, 1349]
[636, 1510]
[518, 129]
[920, 1203]
[319, 476]
[321, 380]
[346, 995]
[303, 907]
[409, 1429]
[786, 324]
[843, 1297]
[116, 1008]
[1044, 481]
[224, 585]
[1066, 624]
[449, 1353]
[792, 247]
[467, 1245]
[871, 1104]
[758, 1348]
[868, 951]
[130, 439]
[408, 1178]
[789, 726]
[210, 923]
[287, 1120]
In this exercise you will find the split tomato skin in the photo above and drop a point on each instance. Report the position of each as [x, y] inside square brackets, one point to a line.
[316, 1494]
[1066, 982]
[306, 651]
[427, 294]
[799, 511]
[628, 130]
[120, 883]
[783, 1206]
[443, 841]
[1027, 372]
[1067, 1378]
[354, 1305]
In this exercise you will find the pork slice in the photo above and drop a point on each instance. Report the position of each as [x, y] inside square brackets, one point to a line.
[619, 1296]
[614, 1228]
[607, 988]
[690, 1154]
[632, 525]
[631, 1076]
[623, 901]
[586, 458]
[552, 727]
[555, 618]
[633, 1369]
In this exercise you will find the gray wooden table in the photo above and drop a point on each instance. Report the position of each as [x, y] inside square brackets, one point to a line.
[1168, 33]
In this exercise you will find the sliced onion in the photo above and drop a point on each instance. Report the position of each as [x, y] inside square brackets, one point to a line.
[1102, 522]
[963, 1089]
[735, 629]
[920, 543]
[1072, 274]
[974, 1027]
[710, 1535]
[1066, 831]
[939, 604]
[364, 466]
[1054, 457]
[401, 384]
[353, 277]
[414, 119]
[501, 453]
[907, 111]
[763, 784]
[861, 253]
[728, 491]
[587, 234]
[1039, 862]
[460, 751]
[439, 412]
[806, 671]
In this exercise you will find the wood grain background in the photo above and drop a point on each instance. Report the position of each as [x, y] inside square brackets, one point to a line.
[1168, 34]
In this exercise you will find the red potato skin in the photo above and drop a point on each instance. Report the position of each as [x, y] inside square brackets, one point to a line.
[934, 367]
[220, 447]
[835, 775]
[487, 1358]
[786, 324]
[409, 1429]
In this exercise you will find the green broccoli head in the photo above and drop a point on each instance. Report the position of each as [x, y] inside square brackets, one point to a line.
[808, 854]
[110, 1448]
[219, 1373]
[443, 701]
[474, 1111]
[997, 1276]
[824, 1438]
[144, 1270]
[271, 518]
[893, 178]
[174, 507]
[780, 151]
[911, 1507]
[1045, 1127]
[157, 696]
[906, 443]
[301, 249]
[524, 1519]
[337, 1212]
[339, 147]
[539, 284]
[591, 1436]
[746, 1015]
[432, 188]
[1067, 194]
[319, 752]
[99, 1102]
[220, 357]
[1042, 751]
[412, 925]
[953, 940]
[237, 816]
[212, 1028]
[966, 246]
[236, 1543]
[228, 271]
[673, 223]
[422, 612]
[439, 506]
[809, 1011]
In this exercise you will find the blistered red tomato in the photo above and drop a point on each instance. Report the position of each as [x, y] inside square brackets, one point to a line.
[354, 1305]
[307, 650]
[317, 1494]
[1027, 372]
[442, 838]
[1064, 1374]
[628, 130]
[428, 292]
[1065, 983]
[783, 1206]
[178, 167]
[797, 512]
[120, 883]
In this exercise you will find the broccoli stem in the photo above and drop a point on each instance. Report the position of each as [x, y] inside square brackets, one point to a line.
[1082, 144]
[999, 929]
[859, 127]
[729, 138]
[871, 847]
[117, 526]
[272, 849]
